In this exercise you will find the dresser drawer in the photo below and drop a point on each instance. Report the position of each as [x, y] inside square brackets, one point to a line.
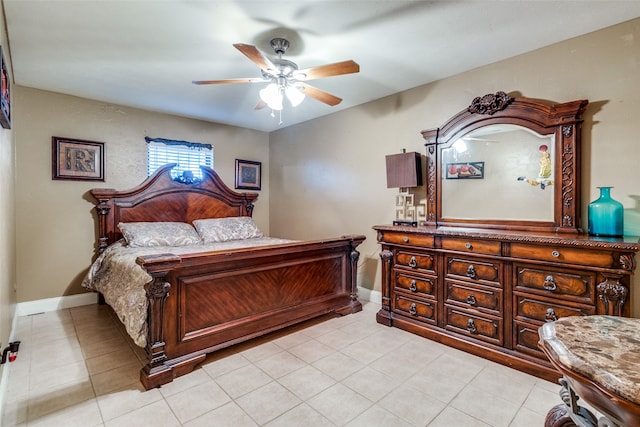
[470, 245]
[421, 286]
[407, 239]
[420, 310]
[578, 286]
[473, 325]
[477, 297]
[562, 255]
[525, 338]
[543, 311]
[474, 269]
[419, 261]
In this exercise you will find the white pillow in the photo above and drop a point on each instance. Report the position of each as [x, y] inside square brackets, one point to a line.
[145, 234]
[214, 230]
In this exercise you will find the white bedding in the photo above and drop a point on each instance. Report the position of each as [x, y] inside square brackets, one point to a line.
[121, 281]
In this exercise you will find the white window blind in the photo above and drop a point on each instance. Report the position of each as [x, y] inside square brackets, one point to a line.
[187, 155]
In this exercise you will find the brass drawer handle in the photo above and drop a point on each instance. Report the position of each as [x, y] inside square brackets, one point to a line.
[471, 326]
[555, 254]
[549, 284]
[412, 286]
[405, 239]
[468, 245]
[413, 262]
[471, 300]
[550, 316]
[412, 309]
[471, 272]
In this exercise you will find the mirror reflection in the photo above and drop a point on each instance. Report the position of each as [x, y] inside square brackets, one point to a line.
[499, 172]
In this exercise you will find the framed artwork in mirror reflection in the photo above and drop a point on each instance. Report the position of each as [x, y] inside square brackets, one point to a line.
[77, 159]
[248, 175]
[465, 170]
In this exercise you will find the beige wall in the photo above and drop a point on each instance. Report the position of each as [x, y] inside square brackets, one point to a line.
[7, 217]
[325, 177]
[55, 219]
[330, 172]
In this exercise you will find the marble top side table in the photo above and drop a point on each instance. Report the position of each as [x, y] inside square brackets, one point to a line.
[599, 358]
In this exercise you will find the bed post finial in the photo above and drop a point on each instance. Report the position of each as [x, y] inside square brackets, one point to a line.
[102, 208]
[249, 206]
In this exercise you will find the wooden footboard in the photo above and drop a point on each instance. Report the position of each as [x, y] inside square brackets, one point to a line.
[202, 303]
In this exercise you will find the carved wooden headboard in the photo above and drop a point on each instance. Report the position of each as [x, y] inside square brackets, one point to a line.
[163, 198]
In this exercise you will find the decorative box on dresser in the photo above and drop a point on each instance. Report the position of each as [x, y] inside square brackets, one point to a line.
[498, 254]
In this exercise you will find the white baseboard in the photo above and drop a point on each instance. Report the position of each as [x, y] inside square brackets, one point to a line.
[370, 295]
[53, 304]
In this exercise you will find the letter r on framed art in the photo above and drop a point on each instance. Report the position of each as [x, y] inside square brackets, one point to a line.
[76, 159]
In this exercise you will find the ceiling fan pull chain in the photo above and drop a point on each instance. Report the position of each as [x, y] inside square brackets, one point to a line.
[280, 122]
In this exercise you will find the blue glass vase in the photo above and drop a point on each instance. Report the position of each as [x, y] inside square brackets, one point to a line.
[606, 215]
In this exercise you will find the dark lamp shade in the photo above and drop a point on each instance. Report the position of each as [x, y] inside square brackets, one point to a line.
[404, 170]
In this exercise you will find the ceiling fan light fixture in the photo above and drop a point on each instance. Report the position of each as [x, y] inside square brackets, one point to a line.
[272, 96]
[285, 79]
[294, 95]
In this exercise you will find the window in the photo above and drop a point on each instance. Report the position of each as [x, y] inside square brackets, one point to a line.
[188, 155]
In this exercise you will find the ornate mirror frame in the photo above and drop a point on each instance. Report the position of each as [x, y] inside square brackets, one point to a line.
[561, 120]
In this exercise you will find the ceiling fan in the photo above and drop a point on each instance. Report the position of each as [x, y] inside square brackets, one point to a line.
[285, 78]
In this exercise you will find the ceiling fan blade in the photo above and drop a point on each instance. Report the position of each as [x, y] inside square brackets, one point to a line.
[260, 105]
[215, 82]
[256, 56]
[336, 69]
[319, 94]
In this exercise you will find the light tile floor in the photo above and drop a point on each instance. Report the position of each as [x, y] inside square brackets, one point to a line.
[77, 367]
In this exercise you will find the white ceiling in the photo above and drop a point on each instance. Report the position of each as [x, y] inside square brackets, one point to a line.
[145, 53]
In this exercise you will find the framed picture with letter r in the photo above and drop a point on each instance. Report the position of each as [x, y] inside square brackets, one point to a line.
[77, 159]
[248, 175]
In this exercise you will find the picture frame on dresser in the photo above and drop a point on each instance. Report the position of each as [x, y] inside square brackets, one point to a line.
[482, 278]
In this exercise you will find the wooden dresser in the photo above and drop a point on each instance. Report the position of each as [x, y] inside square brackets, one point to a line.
[500, 250]
[488, 291]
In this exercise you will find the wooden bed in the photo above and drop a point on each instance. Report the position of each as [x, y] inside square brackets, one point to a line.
[200, 303]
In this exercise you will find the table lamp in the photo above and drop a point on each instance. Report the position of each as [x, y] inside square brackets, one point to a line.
[404, 171]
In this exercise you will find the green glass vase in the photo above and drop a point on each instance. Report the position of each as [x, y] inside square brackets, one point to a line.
[605, 215]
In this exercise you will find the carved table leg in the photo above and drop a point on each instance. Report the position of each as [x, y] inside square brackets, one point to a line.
[569, 413]
[559, 416]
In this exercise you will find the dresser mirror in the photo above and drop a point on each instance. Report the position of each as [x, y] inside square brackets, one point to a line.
[506, 163]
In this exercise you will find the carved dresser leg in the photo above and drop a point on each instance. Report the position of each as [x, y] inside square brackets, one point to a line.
[384, 314]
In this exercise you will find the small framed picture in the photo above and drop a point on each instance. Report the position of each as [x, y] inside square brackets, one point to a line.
[5, 94]
[248, 175]
[469, 170]
[76, 159]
